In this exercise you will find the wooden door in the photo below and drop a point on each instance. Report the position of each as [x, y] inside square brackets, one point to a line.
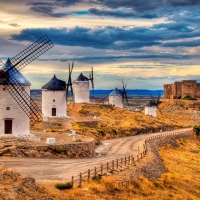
[53, 111]
[8, 126]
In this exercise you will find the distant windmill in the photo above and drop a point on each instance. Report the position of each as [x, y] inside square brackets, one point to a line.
[81, 88]
[152, 106]
[18, 86]
[117, 97]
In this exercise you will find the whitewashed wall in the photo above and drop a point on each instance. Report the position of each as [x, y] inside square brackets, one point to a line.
[81, 91]
[59, 104]
[150, 111]
[117, 101]
[20, 121]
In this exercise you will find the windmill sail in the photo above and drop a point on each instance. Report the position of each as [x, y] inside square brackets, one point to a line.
[91, 78]
[1, 63]
[124, 92]
[69, 83]
[31, 53]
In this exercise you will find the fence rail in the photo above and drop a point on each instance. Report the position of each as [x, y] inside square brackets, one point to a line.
[116, 165]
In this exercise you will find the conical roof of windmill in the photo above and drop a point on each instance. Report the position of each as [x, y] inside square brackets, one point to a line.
[116, 92]
[151, 104]
[17, 76]
[55, 84]
[81, 78]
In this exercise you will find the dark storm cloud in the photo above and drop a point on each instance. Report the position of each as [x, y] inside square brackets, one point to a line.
[144, 5]
[115, 38]
[48, 8]
[119, 14]
[193, 43]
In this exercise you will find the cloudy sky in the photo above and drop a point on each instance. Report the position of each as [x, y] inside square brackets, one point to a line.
[148, 43]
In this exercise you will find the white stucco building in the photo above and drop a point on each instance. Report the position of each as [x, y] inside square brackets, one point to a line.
[116, 98]
[150, 109]
[13, 120]
[54, 98]
[81, 89]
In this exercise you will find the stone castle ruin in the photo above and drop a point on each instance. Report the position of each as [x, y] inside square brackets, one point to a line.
[179, 90]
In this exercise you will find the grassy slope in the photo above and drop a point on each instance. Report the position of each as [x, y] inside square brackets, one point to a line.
[182, 181]
[116, 121]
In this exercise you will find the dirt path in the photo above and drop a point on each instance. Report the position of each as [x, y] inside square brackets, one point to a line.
[62, 169]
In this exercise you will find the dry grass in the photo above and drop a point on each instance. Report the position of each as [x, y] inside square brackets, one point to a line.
[119, 122]
[182, 181]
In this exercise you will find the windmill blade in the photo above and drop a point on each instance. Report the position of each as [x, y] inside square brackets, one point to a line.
[158, 98]
[31, 53]
[1, 63]
[23, 99]
[126, 99]
[69, 83]
[91, 78]
[152, 98]
[103, 99]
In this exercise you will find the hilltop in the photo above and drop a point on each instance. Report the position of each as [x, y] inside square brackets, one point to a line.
[117, 122]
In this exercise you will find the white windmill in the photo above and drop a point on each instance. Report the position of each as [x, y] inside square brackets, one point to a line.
[54, 98]
[81, 88]
[17, 108]
[152, 106]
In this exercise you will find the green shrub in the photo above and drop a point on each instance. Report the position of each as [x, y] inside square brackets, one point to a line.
[59, 149]
[196, 129]
[188, 97]
[63, 186]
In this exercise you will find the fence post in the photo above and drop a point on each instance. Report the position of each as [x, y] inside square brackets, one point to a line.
[117, 163]
[125, 160]
[101, 169]
[95, 172]
[107, 167]
[80, 180]
[138, 159]
[129, 158]
[88, 175]
[113, 165]
[72, 181]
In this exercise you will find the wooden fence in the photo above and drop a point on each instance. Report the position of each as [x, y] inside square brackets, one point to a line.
[115, 165]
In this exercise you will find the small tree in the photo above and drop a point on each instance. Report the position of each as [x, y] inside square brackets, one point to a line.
[196, 129]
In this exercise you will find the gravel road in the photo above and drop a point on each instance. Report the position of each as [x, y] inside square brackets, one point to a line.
[62, 169]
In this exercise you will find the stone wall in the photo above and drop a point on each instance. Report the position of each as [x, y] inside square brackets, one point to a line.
[22, 148]
[91, 124]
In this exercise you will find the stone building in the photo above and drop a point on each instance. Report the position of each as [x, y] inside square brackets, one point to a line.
[116, 98]
[54, 98]
[178, 90]
[81, 89]
[150, 109]
[13, 120]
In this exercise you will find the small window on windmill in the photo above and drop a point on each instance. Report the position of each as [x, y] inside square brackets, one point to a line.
[4, 88]
[7, 108]
[54, 100]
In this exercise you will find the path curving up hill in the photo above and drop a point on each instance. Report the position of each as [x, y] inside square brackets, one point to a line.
[63, 169]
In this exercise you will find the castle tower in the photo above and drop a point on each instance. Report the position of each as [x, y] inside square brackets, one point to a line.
[150, 109]
[116, 98]
[13, 120]
[54, 98]
[81, 89]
